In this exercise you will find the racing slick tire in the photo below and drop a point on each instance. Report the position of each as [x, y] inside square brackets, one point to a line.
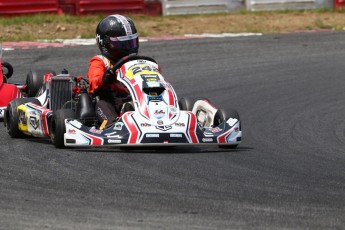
[9, 70]
[221, 116]
[57, 126]
[186, 104]
[35, 79]
[12, 116]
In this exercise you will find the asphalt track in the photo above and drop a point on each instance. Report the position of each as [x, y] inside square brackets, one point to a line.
[289, 172]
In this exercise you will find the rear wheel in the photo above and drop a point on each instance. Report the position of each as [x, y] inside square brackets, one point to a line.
[57, 126]
[12, 116]
[34, 81]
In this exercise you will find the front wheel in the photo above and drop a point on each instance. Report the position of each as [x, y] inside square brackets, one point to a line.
[57, 126]
[12, 116]
[186, 104]
[221, 116]
[8, 72]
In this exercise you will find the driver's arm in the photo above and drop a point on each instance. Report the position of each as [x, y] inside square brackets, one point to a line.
[95, 73]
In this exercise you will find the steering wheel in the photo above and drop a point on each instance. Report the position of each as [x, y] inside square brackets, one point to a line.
[130, 57]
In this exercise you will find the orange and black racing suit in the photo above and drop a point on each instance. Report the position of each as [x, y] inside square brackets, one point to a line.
[104, 85]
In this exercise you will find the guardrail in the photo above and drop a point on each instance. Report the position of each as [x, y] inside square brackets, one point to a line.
[171, 7]
[78, 7]
[257, 5]
[157, 7]
[16, 7]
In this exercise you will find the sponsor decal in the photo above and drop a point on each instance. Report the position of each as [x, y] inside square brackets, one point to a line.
[113, 136]
[22, 119]
[101, 114]
[110, 134]
[94, 130]
[99, 39]
[118, 126]
[164, 128]
[180, 124]
[34, 122]
[207, 139]
[75, 123]
[215, 130]
[179, 135]
[159, 113]
[155, 98]
[231, 121]
[152, 135]
[72, 131]
[145, 125]
[110, 141]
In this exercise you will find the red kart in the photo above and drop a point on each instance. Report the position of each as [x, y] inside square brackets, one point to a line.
[8, 91]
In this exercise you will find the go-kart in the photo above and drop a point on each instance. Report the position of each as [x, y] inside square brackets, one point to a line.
[47, 92]
[8, 91]
[154, 117]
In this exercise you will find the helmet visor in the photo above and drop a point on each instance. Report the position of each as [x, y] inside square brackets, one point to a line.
[124, 42]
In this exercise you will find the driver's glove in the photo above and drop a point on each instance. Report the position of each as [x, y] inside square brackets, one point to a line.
[108, 77]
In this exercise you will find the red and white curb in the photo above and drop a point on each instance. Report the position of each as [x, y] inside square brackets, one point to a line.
[78, 42]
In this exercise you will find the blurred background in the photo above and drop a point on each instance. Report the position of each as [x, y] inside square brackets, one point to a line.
[158, 7]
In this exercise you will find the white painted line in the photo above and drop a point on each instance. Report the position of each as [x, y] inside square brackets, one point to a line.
[223, 35]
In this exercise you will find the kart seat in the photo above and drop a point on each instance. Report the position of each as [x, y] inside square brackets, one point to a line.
[86, 109]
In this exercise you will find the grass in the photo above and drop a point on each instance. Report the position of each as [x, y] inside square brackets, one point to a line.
[51, 26]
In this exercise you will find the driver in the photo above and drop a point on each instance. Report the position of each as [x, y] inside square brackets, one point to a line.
[116, 37]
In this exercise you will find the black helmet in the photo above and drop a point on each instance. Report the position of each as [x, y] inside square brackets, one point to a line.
[116, 36]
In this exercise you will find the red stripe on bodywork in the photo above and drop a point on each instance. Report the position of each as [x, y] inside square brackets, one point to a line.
[222, 138]
[94, 140]
[45, 121]
[171, 99]
[132, 128]
[192, 128]
[139, 95]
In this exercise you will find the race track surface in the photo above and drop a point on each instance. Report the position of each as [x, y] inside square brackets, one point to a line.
[289, 172]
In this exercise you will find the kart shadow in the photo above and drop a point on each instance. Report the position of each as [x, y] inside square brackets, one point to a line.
[149, 149]
[165, 150]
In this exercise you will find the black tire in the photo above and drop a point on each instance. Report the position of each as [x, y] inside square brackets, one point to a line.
[34, 80]
[9, 70]
[185, 103]
[57, 126]
[12, 116]
[222, 116]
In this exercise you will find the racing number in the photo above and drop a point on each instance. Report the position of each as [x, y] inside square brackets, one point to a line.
[138, 69]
